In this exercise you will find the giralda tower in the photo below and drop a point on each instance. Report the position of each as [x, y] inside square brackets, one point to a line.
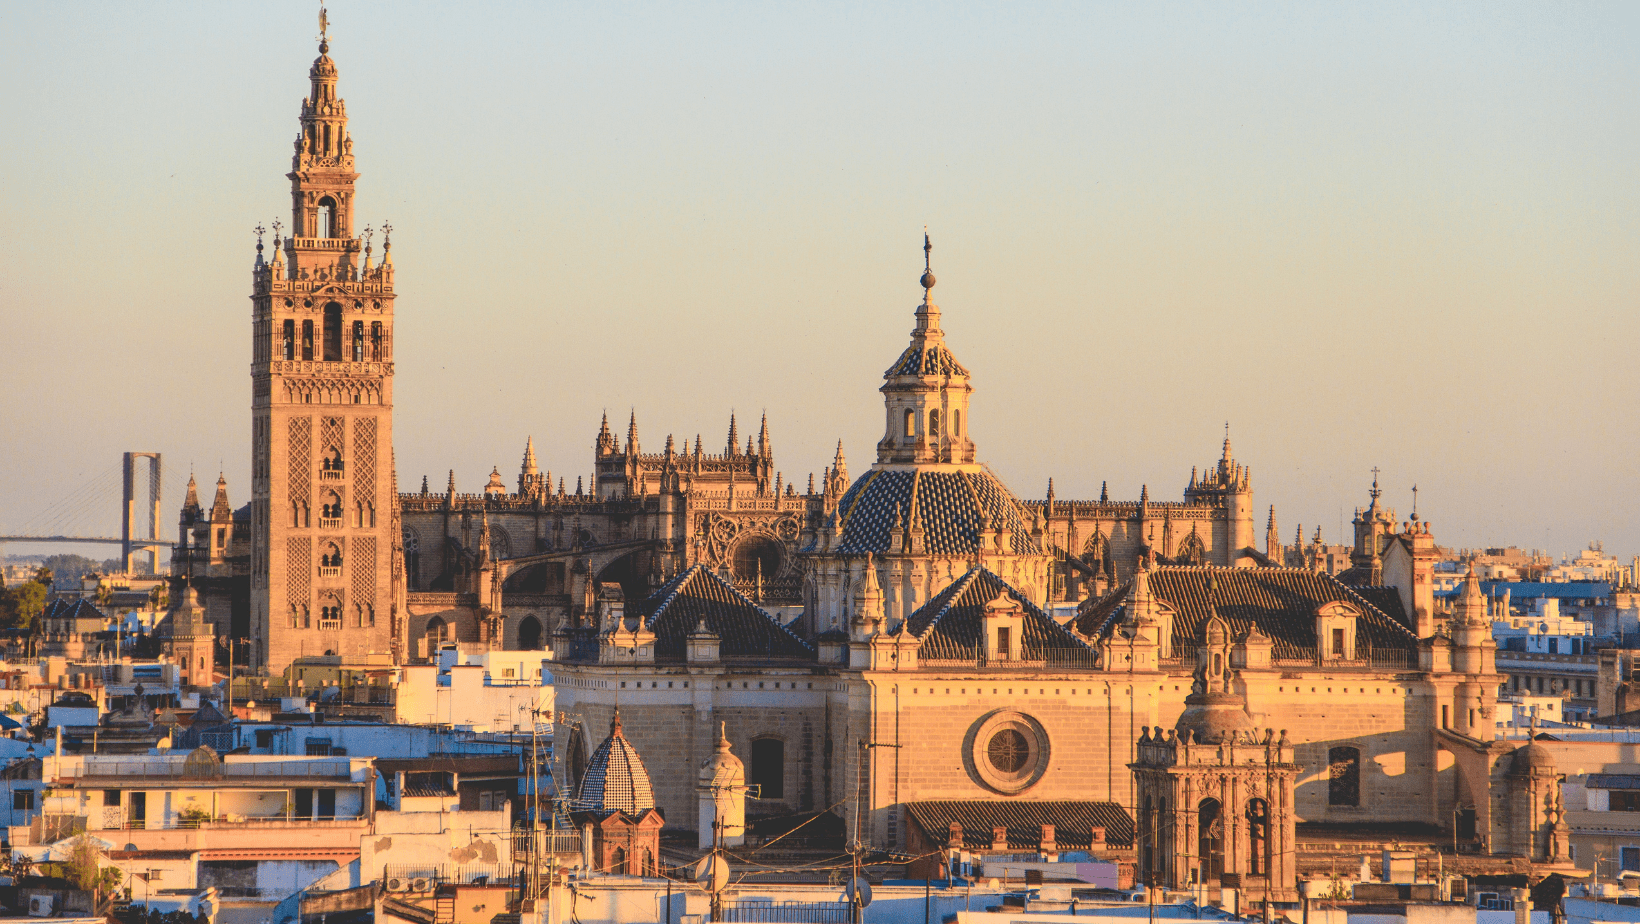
[323, 503]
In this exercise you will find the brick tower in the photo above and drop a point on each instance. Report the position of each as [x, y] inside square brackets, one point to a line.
[322, 411]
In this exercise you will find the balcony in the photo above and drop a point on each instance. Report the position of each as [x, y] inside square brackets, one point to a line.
[327, 571]
[330, 475]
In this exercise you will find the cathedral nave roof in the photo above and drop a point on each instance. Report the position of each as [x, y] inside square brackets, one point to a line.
[744, 630]
[951, 508]
[951, 624]
[1281, 601]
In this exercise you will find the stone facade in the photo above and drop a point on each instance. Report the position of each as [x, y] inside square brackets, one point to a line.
[324, 531]
[908, 654]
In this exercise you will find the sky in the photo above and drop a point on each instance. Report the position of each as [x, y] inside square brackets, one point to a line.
[1385, 235]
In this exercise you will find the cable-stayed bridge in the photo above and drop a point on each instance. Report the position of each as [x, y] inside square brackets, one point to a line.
[81, 516]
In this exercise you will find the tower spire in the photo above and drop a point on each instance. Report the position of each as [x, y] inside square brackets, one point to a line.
[763, 437]
[632, 434]
[322, 177]
[734, 436]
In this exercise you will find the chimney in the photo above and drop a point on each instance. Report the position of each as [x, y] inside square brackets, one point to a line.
[1047, 840]
[999, 838]
[953, 836]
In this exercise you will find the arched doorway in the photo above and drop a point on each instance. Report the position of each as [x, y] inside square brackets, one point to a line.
[529, 634]
[1210, 840]
[617, 862]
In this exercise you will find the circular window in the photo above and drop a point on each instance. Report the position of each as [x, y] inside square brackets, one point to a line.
[1006, 752]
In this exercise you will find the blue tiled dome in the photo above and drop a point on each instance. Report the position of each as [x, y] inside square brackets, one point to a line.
[616, 780]
[950, 506]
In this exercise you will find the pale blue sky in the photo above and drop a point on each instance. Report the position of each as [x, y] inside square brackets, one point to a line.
[1399, 235]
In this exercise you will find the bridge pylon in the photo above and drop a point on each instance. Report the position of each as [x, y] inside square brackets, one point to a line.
[130, 543]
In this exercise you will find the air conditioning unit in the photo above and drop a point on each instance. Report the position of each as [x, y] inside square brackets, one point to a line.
[39, 906]
[398, 884]
[421, 884]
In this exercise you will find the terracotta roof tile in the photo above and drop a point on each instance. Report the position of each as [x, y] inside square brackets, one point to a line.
[744, 630]
[1281, 601]
[949, 625]
[1073, 821]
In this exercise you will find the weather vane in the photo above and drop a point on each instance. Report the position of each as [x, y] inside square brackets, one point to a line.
[259, 232]
[324, 25]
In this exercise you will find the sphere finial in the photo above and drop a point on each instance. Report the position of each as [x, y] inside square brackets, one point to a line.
[928, 273]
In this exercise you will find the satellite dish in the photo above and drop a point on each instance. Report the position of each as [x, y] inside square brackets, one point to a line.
[860, 890]
[712, 872]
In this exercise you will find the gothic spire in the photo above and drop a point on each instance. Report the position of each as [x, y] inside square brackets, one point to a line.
[734, 436]
[1104, 492]
[632, 434]
[530, 468]
[191, 502]
[763, 437]
[219, 508]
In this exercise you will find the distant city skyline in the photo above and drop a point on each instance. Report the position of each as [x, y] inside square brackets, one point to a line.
[1399, 236]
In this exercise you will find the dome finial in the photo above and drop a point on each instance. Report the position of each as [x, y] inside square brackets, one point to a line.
[928, 272]
[324, 31]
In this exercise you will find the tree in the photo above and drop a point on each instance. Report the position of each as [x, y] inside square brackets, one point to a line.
[84, 869]
[27, 602]
[42, 576]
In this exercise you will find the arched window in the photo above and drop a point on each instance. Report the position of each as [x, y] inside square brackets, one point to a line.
[956, 423]
[648, 863]
[412, 559]
[933, 424]
[768, 771]
[529, 634]
[307, 339]
[331, 508]
[575, 759]
[1344, 776]
[438, 633]
[358, 345]
[617, 862]
[1258, 837]
[756, 556]
[333, 333]
[327, 208]
[376, 341]
[910, 423]
[332, 462]
[287, 344]
[1210, 840]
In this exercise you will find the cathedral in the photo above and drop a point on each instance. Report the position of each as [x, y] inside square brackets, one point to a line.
[910, 643]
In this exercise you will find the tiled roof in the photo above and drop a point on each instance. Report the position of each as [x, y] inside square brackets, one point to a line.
[616, 780]
[744, 630]
[1073, 822]
[927, 358]
[1387, 599]
[73, 609]
[951, 623]
[1281, 601]
[949, 506]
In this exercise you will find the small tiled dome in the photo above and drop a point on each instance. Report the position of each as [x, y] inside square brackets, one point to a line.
[616, 780]
[951, 508]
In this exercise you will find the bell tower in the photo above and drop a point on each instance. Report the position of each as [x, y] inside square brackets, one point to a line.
[322, 410]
